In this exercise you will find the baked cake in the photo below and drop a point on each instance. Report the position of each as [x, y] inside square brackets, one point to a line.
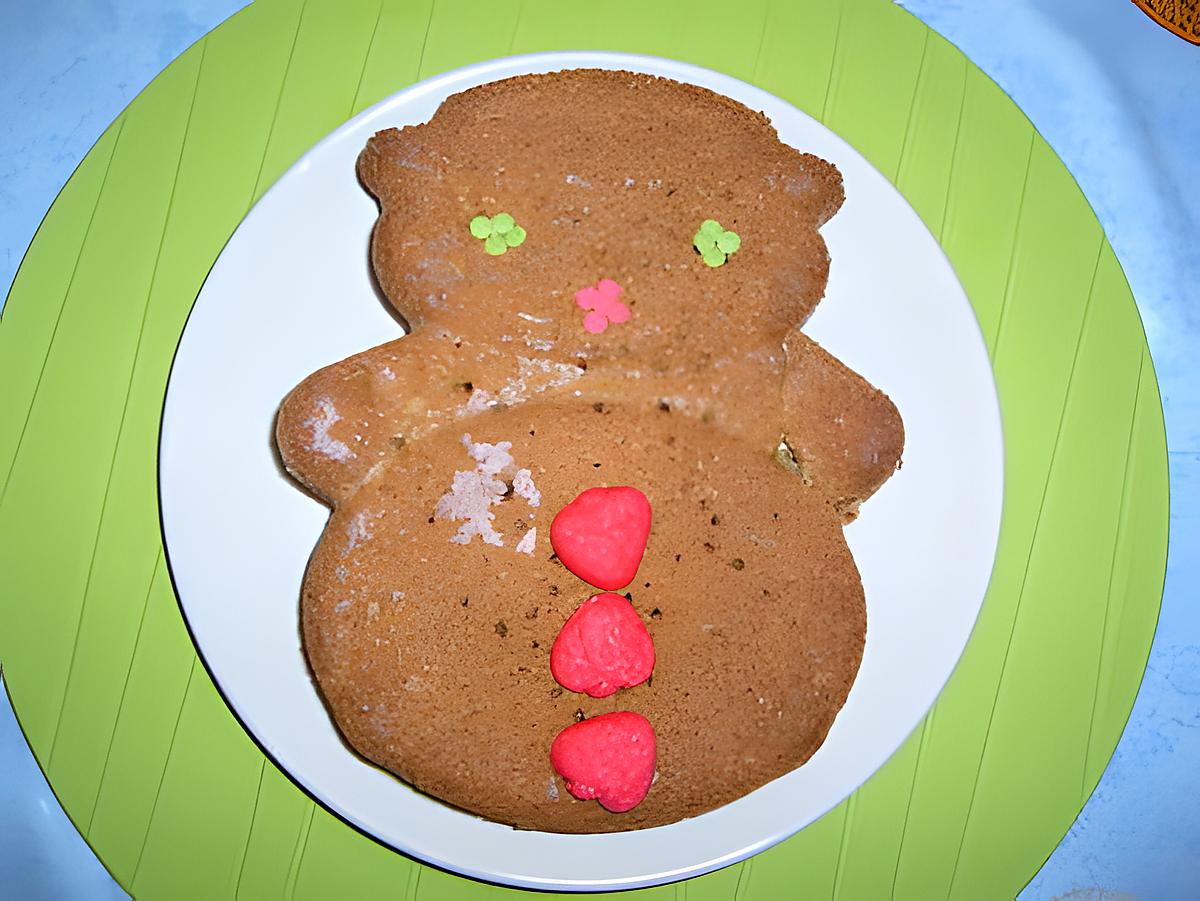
[603, 275]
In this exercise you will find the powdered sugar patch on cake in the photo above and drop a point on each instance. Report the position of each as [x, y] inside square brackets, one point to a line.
[490, 459]
[534, 375]
[471, 495]
[322, 441]
[474, 492]
[542, 344]
[359, 530]
[478, 402]
[523, 487]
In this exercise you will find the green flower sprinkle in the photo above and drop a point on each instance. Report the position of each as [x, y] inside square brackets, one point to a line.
[498, 233]
[714, 243]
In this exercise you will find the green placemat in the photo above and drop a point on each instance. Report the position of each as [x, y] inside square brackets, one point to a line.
[142, 751]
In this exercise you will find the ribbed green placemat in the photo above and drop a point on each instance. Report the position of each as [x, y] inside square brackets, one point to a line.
[142, 751]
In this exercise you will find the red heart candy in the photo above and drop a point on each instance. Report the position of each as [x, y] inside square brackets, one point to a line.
[609, 758]
[602, 647]
[601, 535]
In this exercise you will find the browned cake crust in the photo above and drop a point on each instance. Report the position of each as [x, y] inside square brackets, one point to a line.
[751, 442]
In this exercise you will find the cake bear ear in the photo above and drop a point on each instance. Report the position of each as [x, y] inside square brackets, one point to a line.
[816, 187]
[381, 161]
[397, 170]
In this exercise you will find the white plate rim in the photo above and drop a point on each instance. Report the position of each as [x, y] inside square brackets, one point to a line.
[439, 86]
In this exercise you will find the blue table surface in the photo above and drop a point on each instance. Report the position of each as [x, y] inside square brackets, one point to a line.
[1117, 97]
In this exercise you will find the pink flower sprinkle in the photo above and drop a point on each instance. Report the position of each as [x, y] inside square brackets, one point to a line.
[602, 301]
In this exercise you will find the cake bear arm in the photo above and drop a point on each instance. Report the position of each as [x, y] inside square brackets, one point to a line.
[840, 432]
[346, 419]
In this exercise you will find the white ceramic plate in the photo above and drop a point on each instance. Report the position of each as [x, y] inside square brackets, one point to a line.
[291, 293]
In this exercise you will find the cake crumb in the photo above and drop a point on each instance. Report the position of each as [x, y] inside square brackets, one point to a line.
[526, 545]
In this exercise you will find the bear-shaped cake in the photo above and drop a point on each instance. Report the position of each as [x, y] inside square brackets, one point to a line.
[603, 275]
